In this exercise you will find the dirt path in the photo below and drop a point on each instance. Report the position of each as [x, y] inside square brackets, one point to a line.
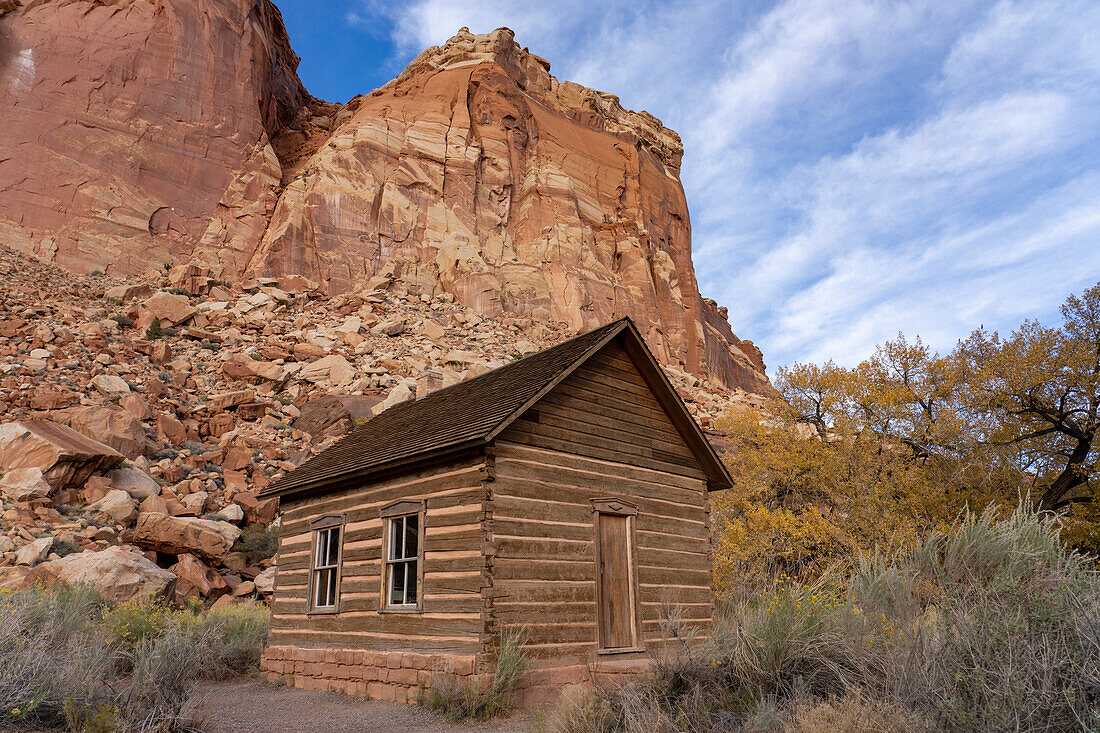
[255, 707]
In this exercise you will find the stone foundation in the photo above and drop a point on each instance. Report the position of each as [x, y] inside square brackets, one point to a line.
[397, 676]
[394, 676]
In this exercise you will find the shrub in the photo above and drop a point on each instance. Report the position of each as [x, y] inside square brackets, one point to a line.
[992, 625]
[481, 698]
[258, 542]
[123, 321]
[154, 331]
[69, 658]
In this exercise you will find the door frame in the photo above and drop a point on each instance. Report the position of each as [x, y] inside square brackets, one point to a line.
[618, 508]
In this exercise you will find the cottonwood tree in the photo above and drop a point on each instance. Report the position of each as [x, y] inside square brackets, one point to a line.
[849, 459]
[1037, 393]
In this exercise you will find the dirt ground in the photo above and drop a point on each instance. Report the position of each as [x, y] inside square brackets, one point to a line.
[256, 707]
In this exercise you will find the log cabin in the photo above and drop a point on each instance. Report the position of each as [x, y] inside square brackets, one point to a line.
[565, 493]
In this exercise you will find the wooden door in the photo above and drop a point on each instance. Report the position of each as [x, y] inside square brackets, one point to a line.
[616, 583]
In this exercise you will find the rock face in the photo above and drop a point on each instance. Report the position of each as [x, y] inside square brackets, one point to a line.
[479, 174]
[475, 173]
[135, 130]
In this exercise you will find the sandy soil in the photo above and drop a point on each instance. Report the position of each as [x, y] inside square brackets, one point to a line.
[256, 707]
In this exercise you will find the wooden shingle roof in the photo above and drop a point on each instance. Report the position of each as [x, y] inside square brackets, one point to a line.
[473, 412]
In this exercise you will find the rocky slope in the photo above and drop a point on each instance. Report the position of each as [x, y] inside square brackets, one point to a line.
[135, 462]
[172, 131]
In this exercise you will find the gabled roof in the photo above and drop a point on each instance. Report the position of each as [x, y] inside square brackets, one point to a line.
[473, 412]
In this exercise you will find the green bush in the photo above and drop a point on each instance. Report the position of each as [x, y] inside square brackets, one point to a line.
[483, 697]
[154, 331]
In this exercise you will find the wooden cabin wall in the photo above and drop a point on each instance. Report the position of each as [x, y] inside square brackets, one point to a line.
[454, 571]
[600, 433]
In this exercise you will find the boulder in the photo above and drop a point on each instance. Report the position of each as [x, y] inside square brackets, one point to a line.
[34, 552]
[265, 581]
[13, 577]
[403, 392]
[65, 457]
[24, 484]
[232, 513]
[117, 506]
[228, 400]
[243, 367]
[119, 573]
[196, 580]
[332, 369]
[111, 386]
[168, 308]
[129, 291]
[134, 482]
[113, 426]
[136, 405]
[209, 539]
[325, 417]
[389, 327]
[256, 510]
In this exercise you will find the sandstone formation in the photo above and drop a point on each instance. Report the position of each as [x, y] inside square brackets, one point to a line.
[137, 132]
[177, 131]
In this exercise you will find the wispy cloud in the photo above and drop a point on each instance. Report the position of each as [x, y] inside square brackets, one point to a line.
[853, 169]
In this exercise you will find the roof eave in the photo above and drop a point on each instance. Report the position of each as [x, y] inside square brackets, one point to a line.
[326, 484]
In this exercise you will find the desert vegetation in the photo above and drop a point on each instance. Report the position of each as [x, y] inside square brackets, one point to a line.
[990, 625]
[486, 696]
[71, 660]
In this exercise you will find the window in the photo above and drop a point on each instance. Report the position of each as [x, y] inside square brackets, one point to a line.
[403, 556]
[324, 581]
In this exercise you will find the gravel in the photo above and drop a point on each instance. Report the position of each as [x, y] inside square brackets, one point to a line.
[257, 707]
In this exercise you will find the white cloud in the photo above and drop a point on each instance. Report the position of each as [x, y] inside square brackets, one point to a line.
[853, 169]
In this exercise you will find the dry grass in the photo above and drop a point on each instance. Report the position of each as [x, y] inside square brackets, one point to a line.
[69, 659]
[484, 697]
[991, 626]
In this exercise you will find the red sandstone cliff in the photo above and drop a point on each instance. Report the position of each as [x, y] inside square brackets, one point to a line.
[172, 130]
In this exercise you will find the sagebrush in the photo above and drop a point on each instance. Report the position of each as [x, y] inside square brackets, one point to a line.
[69, 659]
[992, 625]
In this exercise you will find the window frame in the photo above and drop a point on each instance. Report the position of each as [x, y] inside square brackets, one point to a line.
[617, 507]
[321, 524]
[388, 513]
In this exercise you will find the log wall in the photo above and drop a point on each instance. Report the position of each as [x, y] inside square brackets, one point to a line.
[454, 567]
[600, 433]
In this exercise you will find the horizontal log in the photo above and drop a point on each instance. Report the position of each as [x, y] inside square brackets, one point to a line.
[330, 640]
[464, 473]
[505, 449]
[416, 624]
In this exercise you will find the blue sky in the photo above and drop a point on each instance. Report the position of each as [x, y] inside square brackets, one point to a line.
[853, 169]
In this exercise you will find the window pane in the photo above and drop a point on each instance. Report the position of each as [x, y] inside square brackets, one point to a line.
[331, 587]
[410, 586]
[411, 536]
[319, 560]
[395, 538]
[333, 546]
[397, 584]
[321, 585]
